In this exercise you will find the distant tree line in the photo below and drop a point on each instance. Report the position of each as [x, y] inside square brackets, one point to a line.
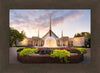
[15, 35]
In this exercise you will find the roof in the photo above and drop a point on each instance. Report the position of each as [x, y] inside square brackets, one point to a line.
[51, 32]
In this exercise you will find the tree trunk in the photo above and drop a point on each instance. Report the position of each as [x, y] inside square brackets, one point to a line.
[11, 44]
[15, 43]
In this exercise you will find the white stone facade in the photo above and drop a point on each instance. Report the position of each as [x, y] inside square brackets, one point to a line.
[79, 41]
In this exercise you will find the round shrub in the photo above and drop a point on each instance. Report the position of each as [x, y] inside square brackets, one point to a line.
[60, 54]
[28, 51]
[82, 50]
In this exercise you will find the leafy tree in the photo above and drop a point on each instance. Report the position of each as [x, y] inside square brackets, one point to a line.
[77, 35]
[83, 34]
[15, 35]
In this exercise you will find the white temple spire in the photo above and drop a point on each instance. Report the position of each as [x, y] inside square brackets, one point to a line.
[50, 23]
[38, 33]
[50, 27]
[62, 34]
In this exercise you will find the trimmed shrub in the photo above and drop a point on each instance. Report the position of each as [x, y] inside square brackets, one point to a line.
[28, 51]
[20, 49]
[35, 49]
[78, 46]
[45, 51]
[74, 51]
[82, 50]
[61, 54]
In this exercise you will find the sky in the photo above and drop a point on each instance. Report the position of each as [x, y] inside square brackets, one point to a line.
[70, 21]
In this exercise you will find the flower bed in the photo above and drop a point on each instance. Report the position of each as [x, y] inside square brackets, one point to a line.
[51, 56]
[34, 58]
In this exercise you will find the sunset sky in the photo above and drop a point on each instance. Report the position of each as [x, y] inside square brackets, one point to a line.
[70, 21]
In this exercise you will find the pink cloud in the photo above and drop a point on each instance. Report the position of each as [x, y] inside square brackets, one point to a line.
[37, 20]
[25, 22]
[71, 18]
[79, 16]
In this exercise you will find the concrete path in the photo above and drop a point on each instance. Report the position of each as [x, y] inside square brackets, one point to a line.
[13, 56]
[87, 56]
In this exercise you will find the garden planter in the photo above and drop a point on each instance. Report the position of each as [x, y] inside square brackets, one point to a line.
[36, 58]
[75, 58]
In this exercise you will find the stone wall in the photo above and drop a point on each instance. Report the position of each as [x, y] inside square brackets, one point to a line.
[79, 41]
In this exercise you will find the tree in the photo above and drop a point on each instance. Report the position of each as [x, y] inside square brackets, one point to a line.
[83, 34]
[77, 35]
[16, 35]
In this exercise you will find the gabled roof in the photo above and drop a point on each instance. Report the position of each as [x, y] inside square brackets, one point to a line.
[49, 33]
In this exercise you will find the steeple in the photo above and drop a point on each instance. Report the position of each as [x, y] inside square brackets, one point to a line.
[50, 23]
[50, 27]
[38, 33]
[50, 32]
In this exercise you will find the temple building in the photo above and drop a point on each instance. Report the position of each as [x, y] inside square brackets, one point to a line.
[62, 41]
